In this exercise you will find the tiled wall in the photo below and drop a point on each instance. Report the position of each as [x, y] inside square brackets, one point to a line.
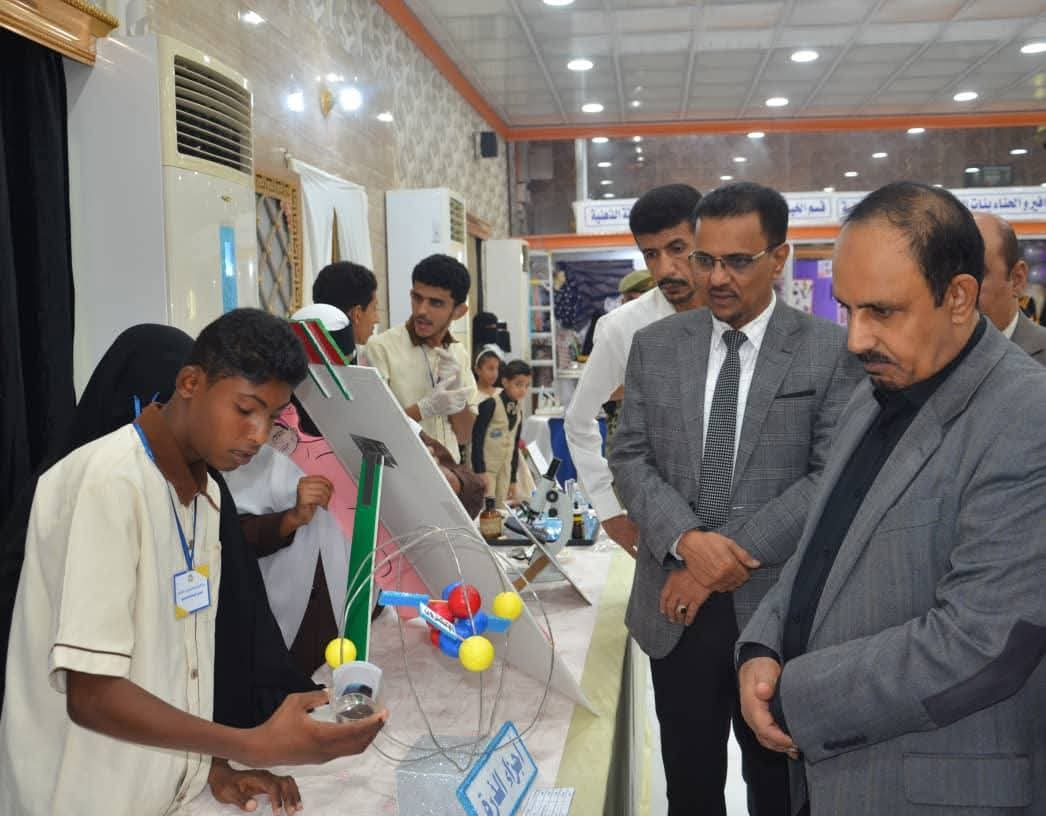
[430, 141]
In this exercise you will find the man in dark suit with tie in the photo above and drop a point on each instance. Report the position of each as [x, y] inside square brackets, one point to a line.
[727, 418]
[1005, 275]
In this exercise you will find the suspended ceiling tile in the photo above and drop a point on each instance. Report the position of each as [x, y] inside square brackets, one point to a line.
[735, 39]
[935, 68]
[569, 48]
[889, 34]
[655, 62]
[702, 91]
[828, 12]
[824, 38]
[906, 11]
[884, 52]
[852, 85]
[578, 24]
[864, 70]
[718, 15]
[653, 19]
[733, 59]
[998, 31]
[722, 76]
[654, 43]
[923, 84]
[990, 9]
[465, 8]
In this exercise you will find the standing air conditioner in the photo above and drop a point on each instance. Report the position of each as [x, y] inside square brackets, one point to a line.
[419, 223]
[161, 191]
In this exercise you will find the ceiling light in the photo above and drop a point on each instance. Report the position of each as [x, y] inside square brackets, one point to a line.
[296, 101]
[580, 64]
[938, 185]
[1019, 151]
[558, 2]
[350, 98]
[639, 151]
[965, 96]
[335, 78]
[600, 140]
[915, 131]
[604, 164]
[850, 174]
[1033, 48]
[635, 103]
[805, 55]
[726, 178]
[637, 139]
[829, 189]
[756, 134]
[606, 182]
[608, 195]
[739, 159]
[880, 155]
[592, 107]
[385, 116]
[776, 102]
[640, 158]
[254, 18]
[973, 170]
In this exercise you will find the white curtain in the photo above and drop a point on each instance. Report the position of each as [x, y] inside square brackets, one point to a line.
[323, 195]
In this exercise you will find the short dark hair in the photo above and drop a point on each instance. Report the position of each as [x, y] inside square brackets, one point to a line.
[744, 197]
[662, 208]
[942, 235]
[515, 368]
[1012, 253]
[344, 284]
[252, 344]
[444, 272]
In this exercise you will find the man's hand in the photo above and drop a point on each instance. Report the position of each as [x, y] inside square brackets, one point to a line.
[624, 532]
[447, 368]
[512, 490]
[682, 596]
[443, 400]
[291, 737]
[715, 561]
[313, 492]
[240, 788]
[757, 679]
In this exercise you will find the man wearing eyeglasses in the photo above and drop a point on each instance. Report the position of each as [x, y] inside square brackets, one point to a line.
[727, 419]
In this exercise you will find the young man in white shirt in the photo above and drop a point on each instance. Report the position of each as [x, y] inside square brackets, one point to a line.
[662, 223]
[110, 671]
[427, 370]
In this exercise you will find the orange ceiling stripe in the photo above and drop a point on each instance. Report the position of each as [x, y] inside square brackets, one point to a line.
[803, 125]
[412, 27]
[568, 240]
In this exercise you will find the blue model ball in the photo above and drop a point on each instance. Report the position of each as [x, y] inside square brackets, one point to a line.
[448, 645]
[449, 588]
[477, 626]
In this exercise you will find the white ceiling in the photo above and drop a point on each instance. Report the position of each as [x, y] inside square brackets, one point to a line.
[721, 59]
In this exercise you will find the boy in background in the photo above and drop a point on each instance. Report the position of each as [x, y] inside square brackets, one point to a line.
[495, 436]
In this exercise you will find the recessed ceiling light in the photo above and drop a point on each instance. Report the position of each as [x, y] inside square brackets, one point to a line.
[385, 116]
[804, 55]
[608, 195]
[604, 164]
[1043, 184]
[600, 140]
[635, 103]
[739, 159]
[592, 107]
[558, 2]
[756, 134]
[850, 174]
[915, 131]
[972, 170]
[938, 185]
[254, 18]
[965, 96]
[639, 151]
[1033, 48]
[1019, 151]
[332, 77]
[637, 139]
[726, 178]
[640, 158]
[350, 98]
[606, 182]
[580, 64]
[776, 102]
[829, 189]
[880, 155]
[296, 101]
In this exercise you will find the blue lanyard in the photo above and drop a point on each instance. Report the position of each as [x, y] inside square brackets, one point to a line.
[187, 551]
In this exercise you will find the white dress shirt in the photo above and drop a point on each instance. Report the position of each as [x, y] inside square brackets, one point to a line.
[1009, 330]
[603, 373]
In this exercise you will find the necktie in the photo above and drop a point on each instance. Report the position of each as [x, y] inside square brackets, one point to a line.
[717, 461]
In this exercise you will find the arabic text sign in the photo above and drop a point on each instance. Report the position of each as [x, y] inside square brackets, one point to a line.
[603, 216]
[499, 781]
[809, 209]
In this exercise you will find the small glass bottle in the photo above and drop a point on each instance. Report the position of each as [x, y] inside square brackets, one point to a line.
[577, 530]
[490, 521]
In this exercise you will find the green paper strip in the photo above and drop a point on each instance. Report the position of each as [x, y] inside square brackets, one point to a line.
[361, 557]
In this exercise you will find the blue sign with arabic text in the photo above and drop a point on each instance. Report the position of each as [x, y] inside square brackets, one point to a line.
[501, 778]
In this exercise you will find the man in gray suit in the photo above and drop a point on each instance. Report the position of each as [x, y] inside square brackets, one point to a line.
[726, 422]
[1005, 275]
[911, 622]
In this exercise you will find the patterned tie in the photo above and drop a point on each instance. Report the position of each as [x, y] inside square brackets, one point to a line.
[717, 462]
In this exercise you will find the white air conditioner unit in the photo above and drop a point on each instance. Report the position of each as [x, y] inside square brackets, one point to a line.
[419, 223]
[161, 191]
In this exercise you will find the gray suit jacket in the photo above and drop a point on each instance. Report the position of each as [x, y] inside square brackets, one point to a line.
[1031, 337]
[803, 377]
[923, 690]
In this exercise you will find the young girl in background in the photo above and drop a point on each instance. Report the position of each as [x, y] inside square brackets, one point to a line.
[487, 369]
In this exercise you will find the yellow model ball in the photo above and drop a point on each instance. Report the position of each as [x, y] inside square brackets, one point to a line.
[476, 653]
[508, 605]
[338, 651]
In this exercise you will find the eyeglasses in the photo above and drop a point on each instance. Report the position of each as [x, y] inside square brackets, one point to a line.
[736, 262]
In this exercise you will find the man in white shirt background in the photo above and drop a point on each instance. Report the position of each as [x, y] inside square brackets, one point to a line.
[663, 227]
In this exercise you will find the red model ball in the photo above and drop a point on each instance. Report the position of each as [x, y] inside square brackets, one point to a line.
[464, 600]
[441, 608]
[434, 637]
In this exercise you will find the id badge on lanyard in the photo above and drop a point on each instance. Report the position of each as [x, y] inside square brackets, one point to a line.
[192, 587]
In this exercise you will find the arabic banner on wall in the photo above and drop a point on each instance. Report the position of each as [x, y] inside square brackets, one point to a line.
[815, 209]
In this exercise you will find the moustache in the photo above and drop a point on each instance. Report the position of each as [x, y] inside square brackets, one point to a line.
[869, 357]
[672, 282]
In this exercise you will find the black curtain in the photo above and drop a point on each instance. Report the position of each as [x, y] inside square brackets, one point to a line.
[36, 275]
